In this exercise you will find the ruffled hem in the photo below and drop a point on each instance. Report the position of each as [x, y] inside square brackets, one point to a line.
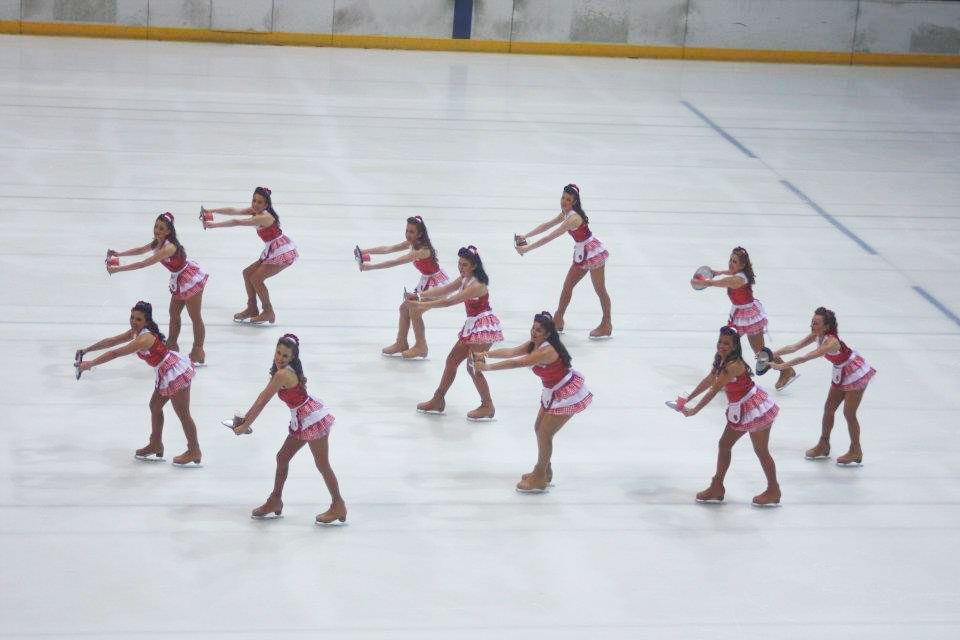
[483, 337]
[749, 320]
[571, 409]
[280, 251]
[858, 384]
[174, 374]
[431, 281]
[316, 430]
[192, 291]
[484, 330]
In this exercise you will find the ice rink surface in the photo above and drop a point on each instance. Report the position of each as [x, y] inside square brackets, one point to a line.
[98, 137]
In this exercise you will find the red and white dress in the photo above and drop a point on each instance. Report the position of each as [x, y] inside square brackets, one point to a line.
[278, 249]
[749, 408]
[174, 371]
[588, 252]
[187, 279]
[850, 371]
[747, 316]
[309, 419]
[431, 275]
[564, 390]
[481, 326]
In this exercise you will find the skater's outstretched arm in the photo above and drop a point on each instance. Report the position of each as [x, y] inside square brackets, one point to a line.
[474, 290]
[829, 344]
[791, 348]
[282, 379]
[537, 356]
[508, 352]
[230, 211]
[730, 282]
[569, 224]
[390, 248]
[731, 371]
[258, 220]
[435, 293]
[163, 253]
[410, 257]
[137, 344]
[108, 342]
[543, 227]
[136, 251]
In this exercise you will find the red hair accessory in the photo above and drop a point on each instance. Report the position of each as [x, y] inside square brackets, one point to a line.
[472, 249]
[574, 187]
[167, 216]
[418, 219]
[264, 190]
[290, 336]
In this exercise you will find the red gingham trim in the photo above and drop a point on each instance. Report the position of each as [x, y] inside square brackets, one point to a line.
[315, 431]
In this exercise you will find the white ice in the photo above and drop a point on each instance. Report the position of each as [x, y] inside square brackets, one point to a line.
[98, 137]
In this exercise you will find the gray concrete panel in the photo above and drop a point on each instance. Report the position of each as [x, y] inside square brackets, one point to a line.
[125, 12]
[790, 25]
[650, 22]
[657, 22]
[542, 20]
[180, 13]
[908, 27]
[406, 18]
[303, 16]
[242, 15]
[9, 9]
[492, 20]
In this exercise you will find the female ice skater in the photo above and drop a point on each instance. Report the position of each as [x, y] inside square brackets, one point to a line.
[564, 391]
[278, 253]
[589, 256]
[851, 374]
[310, 423]
[480, 330]
[187, 281]
[749, 410]
[174, 373]
[746, 315]
[421, 253]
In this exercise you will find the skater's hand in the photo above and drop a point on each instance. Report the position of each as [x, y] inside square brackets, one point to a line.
[687, 411]
[521, 249]
[83, 366]
[778, 366]
[698, 279]
[111, 269]
[111, 253]
[681, 403]
[239, 427]
[363, 266]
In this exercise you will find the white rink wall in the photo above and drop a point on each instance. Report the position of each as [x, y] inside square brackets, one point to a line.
[864, 26]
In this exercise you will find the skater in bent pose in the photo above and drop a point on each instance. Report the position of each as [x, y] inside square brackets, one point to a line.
[173, 375]
[421, 253]
[851, 374]
[564, 391]
[310, 423]
[187, 281]
[279, 252]
[480, 330]
[749, 410]
[589, 256]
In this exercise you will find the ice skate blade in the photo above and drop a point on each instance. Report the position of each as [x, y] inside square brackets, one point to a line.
[765, 505]
[823, 457]
[430, 412]
[411, 359]
[199, 365]
[852, 463]
[187, 465]
[610, 337]
[709, 501]
[150, 457]
[533, 491]
[788, 383]
[228, 423]
[335, 523]
[391, 355]
[672, 404]
[271, 516]
[482, 419]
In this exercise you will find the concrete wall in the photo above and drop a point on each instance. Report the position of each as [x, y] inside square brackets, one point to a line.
[679, 27]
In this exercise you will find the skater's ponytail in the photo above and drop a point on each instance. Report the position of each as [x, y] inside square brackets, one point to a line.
[719, 364]
[167, 220]
[265, 192]
[829, 319]
[574, 190]
[545, 320]
[471, 255]
[292, 342]
[741, 253]
[147, 310]
[423, 238]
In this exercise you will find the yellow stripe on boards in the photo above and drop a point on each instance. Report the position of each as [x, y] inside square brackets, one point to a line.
[485, 46]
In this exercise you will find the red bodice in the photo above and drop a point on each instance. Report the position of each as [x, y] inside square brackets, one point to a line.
[269, 233]
[842, 356]
[551, 374]
[294, 396]
[743, 295]
[155, 354]
[476, 306]
[427, 266]
[581, 233]
[174, 263]
[738, 387]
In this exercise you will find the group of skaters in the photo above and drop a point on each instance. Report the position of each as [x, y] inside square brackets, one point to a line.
[564, 391]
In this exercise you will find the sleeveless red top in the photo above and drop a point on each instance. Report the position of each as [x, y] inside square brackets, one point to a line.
[738, 387]
[269, 233]
[743, 295]
[837, 358]
[294, 396]
[427, 266]
[155, 354]
[476, 306]
[174, 263]
[551, 374]
[581, 233]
